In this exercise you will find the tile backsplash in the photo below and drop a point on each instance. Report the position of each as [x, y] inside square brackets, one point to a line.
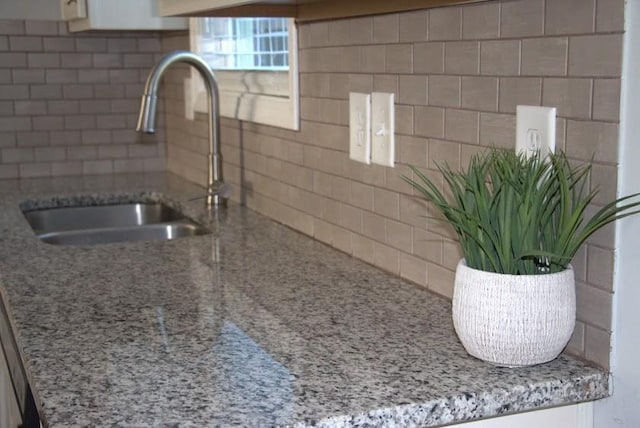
[68, 102]
[458, 73]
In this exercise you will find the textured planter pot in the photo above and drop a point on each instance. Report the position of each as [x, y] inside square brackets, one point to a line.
[513, 320]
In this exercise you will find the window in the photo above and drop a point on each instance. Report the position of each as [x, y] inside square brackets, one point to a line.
[254, 60]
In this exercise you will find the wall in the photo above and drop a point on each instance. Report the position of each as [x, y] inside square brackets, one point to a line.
[32, 9]
[68, 102]
[621, 410]
[458, 73]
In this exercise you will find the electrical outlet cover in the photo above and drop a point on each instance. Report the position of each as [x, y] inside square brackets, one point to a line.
[535, 130]
[360, 127]
[382, 128]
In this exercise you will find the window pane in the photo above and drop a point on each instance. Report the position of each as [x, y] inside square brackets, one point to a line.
[245, 43]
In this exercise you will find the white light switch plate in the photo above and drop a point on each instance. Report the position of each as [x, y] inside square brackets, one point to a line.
[382, 129]
[360, 127]
[535, 130]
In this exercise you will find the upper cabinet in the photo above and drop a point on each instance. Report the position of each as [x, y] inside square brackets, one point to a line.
[84, 15]
[302, 10]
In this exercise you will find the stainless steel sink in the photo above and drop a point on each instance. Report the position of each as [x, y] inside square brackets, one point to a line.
[111, 223]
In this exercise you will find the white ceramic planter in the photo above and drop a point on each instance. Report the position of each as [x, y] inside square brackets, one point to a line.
[513, 320]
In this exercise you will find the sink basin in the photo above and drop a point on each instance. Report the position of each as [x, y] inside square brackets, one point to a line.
[111, 223]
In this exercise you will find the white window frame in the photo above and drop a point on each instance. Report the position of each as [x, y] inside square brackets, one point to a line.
[266, 97]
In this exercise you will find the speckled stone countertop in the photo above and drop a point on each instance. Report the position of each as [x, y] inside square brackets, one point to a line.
[254, 325]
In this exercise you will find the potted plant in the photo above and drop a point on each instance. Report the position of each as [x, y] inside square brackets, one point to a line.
[519, 221]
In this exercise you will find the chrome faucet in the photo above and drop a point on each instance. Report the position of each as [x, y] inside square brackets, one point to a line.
[217, 191]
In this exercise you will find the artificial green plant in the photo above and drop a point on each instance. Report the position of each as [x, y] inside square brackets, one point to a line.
[519, 215]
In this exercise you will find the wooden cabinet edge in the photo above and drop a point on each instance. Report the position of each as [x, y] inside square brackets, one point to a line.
[302, 10]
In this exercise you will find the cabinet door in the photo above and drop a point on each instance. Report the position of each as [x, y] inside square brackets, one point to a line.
[9, 411]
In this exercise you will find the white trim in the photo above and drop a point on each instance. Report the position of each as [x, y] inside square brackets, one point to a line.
[269, 98]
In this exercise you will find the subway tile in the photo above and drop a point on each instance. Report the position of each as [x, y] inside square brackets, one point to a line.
[58, 44]
[41, 27]
[597, 139]
[597, 346]
[461, 57]
[413, 90]
[25, 44]
[413, 269]
[361, 195]
[112, 151]
[150, 164]
[600, 267]
[404, 119]
[361, 30]
[45, 92]
[61, 76]
[30, 108]
[444, 91]
[27, 76]
[75, 60]
[399, 58]
[444, 153]
[90, 44]
[428, 57]
[66, 168]
[49, 154]
[128, 165]
[12, 26]
[11, 124]
[427, 245]
[9, 171]
[599, 55]
[414, 26]
[149, 44]
[93, 76]
[610, 15]
[500, 57]
[462, 125]
[374, 226]
[17, 155]
[429, 121]
[78, 153]
[43, 60]
[48, 123]
[572, 97]
[386, 28]
[386, 203]
[497, 130]
[6, 108]
[4, 43]
[120, 45]
[106, 60]
[65, 138]
[97, 167]
[569, 17]
[445, 23]
[606, 99]
[338, 32]
[480, 93]
[94, 106]
[7, 139]
[138, 60]
[32, 139]
[30, 170]
[519, 91]
[84, 91]
[399, 235]
[387, 258]
[79, 122]
[481, 21]
[544, 56]
[13, 59]
[92, 136]
[522, 18]
[604, 180]
[593, 306]
[413, 151]
[5, 76]
[440, 280]
[350, 218]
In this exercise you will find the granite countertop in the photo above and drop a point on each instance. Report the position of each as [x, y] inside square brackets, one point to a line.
[253, 325]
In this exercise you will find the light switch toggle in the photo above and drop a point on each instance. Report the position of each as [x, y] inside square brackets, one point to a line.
[383, 130]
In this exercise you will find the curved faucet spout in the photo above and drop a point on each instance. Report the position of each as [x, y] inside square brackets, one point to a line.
[147, 116]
